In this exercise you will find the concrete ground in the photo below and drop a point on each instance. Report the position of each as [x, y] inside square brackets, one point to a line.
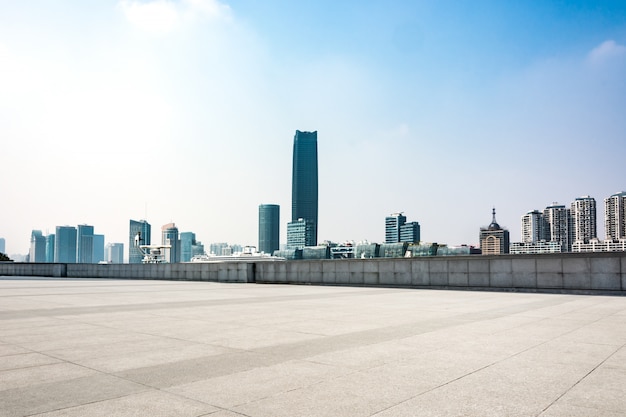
[155, 348]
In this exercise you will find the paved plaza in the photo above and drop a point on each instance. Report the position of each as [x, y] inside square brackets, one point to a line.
[161, 348]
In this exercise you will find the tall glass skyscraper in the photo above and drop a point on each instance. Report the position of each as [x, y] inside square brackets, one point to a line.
[84, 244]
[65, 245]
[304, 181]
[143, 228]
[269, 228]
[169, 236]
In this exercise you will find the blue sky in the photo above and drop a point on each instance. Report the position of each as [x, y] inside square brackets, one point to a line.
[185, 111]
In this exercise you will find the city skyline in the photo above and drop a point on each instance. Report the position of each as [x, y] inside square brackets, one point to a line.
[167, 110]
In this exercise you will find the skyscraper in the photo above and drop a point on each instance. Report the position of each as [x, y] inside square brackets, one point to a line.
[583, 211]
[98, 249]
[494, 240]
[37, 246]
[615, 216]
[50, 248]
[169, 236]
[393, 222]
[559, 224]
[187, 241]
[2, 245]
[143, 228]
[84, 244]
[269, 228]
[534, 227]
[304, 190]
[65, 245]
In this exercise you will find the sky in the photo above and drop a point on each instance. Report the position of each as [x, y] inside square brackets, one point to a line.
[185, 111]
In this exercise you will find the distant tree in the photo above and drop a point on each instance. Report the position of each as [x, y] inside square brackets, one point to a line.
[4, 258]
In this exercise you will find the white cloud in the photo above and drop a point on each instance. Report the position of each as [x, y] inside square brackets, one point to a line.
[606, 50]
[164, 16]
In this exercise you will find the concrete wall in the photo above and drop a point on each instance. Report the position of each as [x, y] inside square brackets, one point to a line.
[580, 272]
[571, 272]
[217, 272]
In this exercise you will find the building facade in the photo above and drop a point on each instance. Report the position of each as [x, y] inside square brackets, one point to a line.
[534, 228]
[115, 253]
[65, 245]
[393, 222]
[299, 234]
[304, 189]
[169, 237]
[615, 216]
[410, 232]
[583, 212]
[269, 228]
[3, 245]
[559, 223]
[494, 240]
[143, 229]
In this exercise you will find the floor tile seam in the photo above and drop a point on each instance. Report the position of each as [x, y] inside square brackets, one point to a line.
[458, 378]
[581, 379]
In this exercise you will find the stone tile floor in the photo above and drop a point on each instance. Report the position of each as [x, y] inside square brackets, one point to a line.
[73, 347]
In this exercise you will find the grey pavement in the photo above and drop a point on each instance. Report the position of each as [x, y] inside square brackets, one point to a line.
[161, 348]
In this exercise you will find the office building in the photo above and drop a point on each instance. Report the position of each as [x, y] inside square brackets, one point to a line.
[65, 245]
[304, 191]
[299, 234]
[115, 253]
[494, 240]
[534, 248]
[37, 250]
[583, 212]
[392, 227]
[559, 224]
[187, 241]
[84, 244]
[615, 216]
[169, 237]
[50, 248]
[410, 232]
[98, 249]
[142, 230]
[269, 228]
[534, 228]
[3, 245]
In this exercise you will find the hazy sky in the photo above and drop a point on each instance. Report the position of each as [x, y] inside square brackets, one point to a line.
[185, 111]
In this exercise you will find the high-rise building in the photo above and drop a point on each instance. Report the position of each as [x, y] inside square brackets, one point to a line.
[410, 232]
[187, 241]
[583, 212]
[304, 189]
[269, 228]
[65, 245]
[615, 216]
[559, 222]
[299, 233]
[534, 228]
[115, 253]
[139, 229]
[50, 248]
[169, 236]
[37, 246]
[393, 222]
[3, 245]
[98, 249]
[84, 244]
[494, 240]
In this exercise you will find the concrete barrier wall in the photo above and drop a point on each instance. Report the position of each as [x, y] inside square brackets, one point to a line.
[217, 272]
[574, 272]
[586, 272]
